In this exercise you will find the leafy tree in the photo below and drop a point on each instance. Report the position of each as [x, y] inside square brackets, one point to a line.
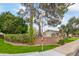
[72, 27]
[53, 12]
[12, 24]
[30, 19]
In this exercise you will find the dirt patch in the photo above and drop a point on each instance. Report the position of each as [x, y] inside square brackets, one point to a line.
[37, 42]
[46, 40]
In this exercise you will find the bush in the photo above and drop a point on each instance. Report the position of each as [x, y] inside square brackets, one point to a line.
[61, 42]
[19, 38]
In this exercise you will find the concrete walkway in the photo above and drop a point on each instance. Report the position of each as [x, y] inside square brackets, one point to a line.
[69, 49]
[46, 53]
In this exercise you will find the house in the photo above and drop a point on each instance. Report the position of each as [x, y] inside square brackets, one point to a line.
[50, 33]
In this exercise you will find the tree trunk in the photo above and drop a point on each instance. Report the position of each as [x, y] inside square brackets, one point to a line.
[40, 33]
[31, 31]
[31, 27]
[67, 34]
[31, 24]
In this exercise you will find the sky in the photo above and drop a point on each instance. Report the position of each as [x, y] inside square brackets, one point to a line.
[73, 11]
[13, 7]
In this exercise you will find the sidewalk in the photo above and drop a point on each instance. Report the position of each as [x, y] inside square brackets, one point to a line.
[69, 49]
[46, 53]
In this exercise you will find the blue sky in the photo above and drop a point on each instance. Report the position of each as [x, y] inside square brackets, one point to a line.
[12, 7]
[73, 11]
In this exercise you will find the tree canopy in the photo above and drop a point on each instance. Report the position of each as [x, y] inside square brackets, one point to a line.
[52, 13]
[12, 24]
[72, 27]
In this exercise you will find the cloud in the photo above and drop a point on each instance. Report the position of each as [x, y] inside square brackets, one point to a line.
[73, 11]
[2, 9]
[19, 7]
[74, 7]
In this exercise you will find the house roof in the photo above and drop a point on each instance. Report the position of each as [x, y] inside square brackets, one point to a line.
[51, 29]
[47, 28]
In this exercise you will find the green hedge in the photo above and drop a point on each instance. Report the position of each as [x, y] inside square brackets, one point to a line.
[20, 38]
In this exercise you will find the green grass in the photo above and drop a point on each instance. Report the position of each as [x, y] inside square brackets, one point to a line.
[70, 40]
[6, 48]
[67, 40]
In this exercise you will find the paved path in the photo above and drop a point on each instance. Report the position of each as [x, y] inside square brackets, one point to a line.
[77, 54]
[46, 53]
[69, 49]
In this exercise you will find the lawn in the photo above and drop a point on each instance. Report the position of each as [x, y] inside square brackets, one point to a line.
[6, 48]
[67, 40]
[70, 40]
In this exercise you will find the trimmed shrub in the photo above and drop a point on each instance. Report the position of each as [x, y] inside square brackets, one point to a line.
[19, 38]
[2, 35]
[61, 42]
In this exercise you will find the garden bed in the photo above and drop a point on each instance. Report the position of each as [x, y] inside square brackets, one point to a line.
[19, 38]
[25, 39]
